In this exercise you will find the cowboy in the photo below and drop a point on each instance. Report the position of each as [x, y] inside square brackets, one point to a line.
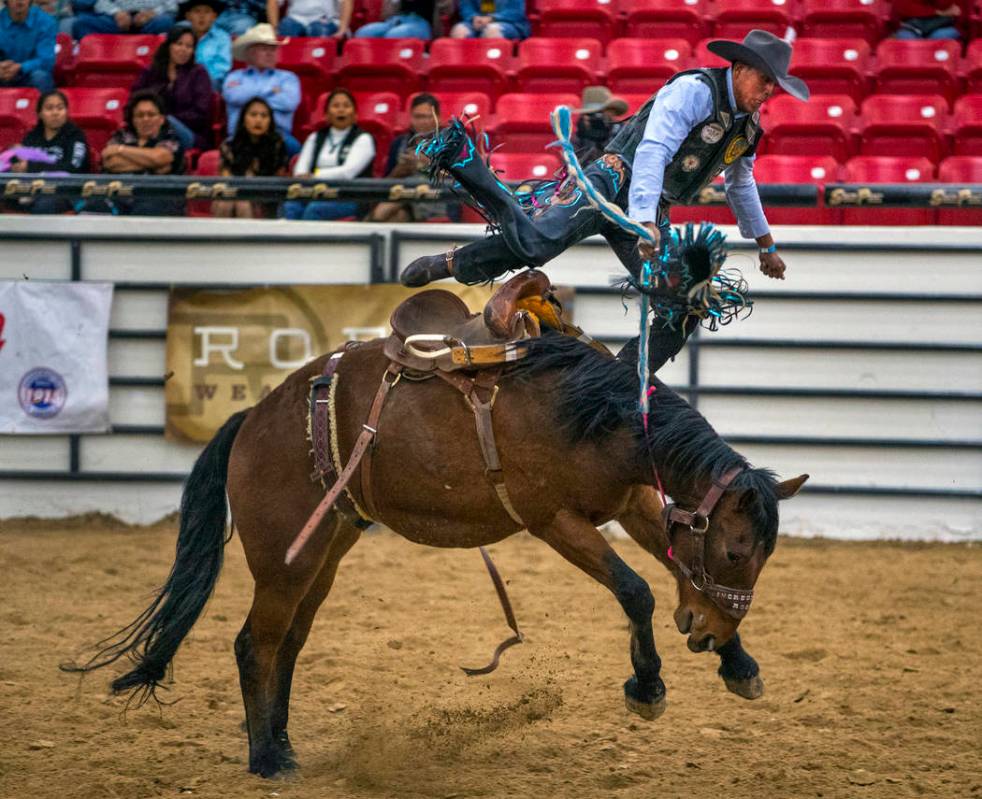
[597, 123]
[701, 123]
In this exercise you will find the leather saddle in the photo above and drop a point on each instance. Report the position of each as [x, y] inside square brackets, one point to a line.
[435, 330]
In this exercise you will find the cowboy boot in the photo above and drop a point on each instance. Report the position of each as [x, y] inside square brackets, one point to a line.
[474, 263]
[427, 269]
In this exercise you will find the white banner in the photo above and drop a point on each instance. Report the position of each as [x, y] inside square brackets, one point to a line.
[53, 353]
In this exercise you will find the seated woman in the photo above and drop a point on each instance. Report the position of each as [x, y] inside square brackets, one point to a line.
[183, 85]
[338, 151]
[255, 149]
[65, 144]
[145, 145]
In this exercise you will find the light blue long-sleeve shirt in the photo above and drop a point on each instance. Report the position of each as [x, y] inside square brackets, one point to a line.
[214, 53]
[30, 43]
[279, 88]
[679, 107]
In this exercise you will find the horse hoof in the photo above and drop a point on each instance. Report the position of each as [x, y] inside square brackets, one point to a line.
[648, 702]
[649, 711]
[749, 688]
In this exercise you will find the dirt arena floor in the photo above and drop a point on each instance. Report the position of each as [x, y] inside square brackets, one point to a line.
[870, 654]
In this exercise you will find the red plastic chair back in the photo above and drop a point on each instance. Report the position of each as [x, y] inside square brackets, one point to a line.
[967, 125]
[688, 19]
[558, 65]
[375, 65]
[113, 60]
[735, 18]
[521, 123]
[836, 19]
[525, 166]
[98, 111]
[918, 67]
[573, 18]
[639, 65]
[799, 169]
[832, 66]
[822, 126]
[870, 170]
[313, 59]
[904, 126]
[960, 169]
[464, 65]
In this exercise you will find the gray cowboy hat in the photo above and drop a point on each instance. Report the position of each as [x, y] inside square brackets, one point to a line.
[766, 52]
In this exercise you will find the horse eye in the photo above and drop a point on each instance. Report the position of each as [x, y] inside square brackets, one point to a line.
[734, 557]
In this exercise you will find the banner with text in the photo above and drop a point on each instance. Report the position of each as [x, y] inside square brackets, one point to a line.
[227, 350]
[53, 344]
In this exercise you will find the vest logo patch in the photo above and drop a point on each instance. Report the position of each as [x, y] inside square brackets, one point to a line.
[711, 133]
[690, 163]
[735, 149]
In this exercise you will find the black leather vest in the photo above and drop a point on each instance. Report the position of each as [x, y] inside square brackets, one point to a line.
[711, 146]
[345, 147]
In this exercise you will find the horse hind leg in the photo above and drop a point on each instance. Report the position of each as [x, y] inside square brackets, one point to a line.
[296, 637]
[577, 540]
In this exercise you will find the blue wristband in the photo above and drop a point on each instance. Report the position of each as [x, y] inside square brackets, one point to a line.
[768, 250]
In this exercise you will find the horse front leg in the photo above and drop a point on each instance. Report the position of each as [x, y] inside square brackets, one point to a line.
[577, 540]
[739, 671]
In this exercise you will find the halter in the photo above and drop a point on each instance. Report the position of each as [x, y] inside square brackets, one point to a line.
[732, 601]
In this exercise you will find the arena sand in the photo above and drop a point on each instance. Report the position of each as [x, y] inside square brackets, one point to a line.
[870, 654]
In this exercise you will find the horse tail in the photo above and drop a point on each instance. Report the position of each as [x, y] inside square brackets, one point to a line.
[152, 639]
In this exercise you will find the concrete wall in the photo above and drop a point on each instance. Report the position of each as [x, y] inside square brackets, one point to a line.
[830, 375]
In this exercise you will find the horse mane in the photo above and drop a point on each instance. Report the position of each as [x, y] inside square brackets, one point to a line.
[594, 395]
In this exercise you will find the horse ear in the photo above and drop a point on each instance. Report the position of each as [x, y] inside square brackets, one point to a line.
[789, 488]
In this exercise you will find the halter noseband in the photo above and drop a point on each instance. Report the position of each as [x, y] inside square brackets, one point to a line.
[733, 601]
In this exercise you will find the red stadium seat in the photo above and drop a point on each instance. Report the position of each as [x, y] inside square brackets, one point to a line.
[464, 65]
[659, 19]
[207, 166]
[734, 18]
[904, 126]
[521, 123]
[822, 126]
[643, 65]
[967, 125]
[99, 112]
[832, 66]
[64, 59]
[462, 104]
[799, 169]
[377, 65]
[960, 169]
[558, 65]
[918, 67]
[17, 115]
[313, 59]
[366, 11]
[111, 60]
[972, 67]
[525, 166]
[576, 18]
[836, 19]
[870, 169]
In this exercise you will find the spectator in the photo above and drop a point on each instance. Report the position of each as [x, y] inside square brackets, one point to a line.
[126, 16]
[27, 46]
[491, 19]
[405, 19]
[311, 17]
[279, 88]
[424, 119]
[338, 151]
[183, 85]
[145, 145]
[240, 15]
[63, 11]
[214, 46]
[927, 19]
[256, 149]
[59, 137]
[597, 123]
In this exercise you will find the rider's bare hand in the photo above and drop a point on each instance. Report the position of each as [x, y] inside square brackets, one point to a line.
[649, 250]
[772, 265]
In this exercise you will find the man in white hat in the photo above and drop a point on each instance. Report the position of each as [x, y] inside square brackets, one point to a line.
[280, 88]
[597, 122]
[702, 123]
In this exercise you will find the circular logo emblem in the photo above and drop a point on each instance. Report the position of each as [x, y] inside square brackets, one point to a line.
[735, 149]
[42, 393]
[711, 133]
[690, 163]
